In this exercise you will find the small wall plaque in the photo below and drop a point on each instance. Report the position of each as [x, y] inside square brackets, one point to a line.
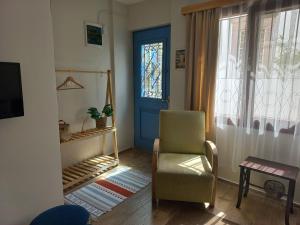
[180, 59]
[93, 34]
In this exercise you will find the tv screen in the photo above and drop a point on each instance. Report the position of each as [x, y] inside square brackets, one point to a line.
[11, 98]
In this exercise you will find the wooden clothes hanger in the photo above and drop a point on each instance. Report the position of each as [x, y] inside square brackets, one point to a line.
[69, 83]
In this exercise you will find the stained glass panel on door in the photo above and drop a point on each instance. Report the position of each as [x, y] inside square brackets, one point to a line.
[151, 70]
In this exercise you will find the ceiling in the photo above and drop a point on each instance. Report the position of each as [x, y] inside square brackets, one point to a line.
[130, 2]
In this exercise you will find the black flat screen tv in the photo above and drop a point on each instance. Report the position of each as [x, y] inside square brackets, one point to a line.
[11, 97]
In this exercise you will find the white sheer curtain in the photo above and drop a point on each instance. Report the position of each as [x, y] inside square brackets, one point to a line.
[257, 106]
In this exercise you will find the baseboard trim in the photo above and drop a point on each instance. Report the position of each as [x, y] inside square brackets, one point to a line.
[297, 204]
[126, 149]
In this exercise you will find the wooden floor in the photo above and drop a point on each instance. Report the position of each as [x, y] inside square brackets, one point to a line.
[138, 210]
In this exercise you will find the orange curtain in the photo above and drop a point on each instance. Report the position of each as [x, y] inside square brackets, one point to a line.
[202, 48]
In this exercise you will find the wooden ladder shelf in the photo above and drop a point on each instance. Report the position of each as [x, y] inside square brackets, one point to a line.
[88, 169]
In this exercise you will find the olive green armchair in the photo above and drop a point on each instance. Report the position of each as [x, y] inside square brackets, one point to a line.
[184, 165]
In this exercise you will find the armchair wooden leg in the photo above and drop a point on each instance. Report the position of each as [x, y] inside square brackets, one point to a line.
[212, 203]
[154, 170]
[213, 198]
[153, 183]
[154, 198]
[153, 190]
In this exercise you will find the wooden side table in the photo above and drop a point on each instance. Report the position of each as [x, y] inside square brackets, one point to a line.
[275, 169]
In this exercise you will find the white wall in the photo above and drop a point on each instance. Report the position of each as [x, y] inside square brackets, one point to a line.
[69, 17]
[30, 167]
[123, 75]
[149, 14]
[178, 41]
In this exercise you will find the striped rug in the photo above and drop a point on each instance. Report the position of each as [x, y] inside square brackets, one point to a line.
[109, 191]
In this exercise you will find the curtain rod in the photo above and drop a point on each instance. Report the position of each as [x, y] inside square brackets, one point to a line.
[81, 71]
[208, 5]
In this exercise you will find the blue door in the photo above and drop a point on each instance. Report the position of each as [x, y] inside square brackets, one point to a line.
[152, 77]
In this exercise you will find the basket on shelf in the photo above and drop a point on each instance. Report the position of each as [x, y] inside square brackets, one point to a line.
[64, 133]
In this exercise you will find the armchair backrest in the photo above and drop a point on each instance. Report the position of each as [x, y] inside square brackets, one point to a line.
[182, 132]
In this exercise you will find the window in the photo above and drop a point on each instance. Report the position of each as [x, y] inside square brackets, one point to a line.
[230, 70]
[258, 73]
[151, 70]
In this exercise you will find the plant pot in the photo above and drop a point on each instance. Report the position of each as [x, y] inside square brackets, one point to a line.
[101, 123]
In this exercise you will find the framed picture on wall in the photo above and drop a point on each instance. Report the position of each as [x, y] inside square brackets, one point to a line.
[180, 59]
[93, 34]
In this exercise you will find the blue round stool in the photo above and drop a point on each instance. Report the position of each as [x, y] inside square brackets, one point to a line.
[63, 215]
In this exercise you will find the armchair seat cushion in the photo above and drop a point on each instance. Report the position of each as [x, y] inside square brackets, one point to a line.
[184, 177]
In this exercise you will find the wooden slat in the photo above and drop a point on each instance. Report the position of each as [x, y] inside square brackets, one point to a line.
[74, 171]
[67, 178]
[84, 168]
[65, 182]
[99, 161]
[80, 179]
[90, 165]
[209, 5]
[80, 170]
[94, 161]
[88, 169]
[105, 157]
[90, 133]
[71, 175]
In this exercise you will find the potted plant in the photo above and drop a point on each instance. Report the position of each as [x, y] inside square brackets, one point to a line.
[101, 118]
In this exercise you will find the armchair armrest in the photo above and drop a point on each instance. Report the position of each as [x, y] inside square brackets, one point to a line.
[212, 156]
[156, 146]
[154, 165]
[155, 155]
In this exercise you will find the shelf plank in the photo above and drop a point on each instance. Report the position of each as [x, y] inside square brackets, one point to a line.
[67, 179]
[70, 175]
[73, 171]
[79, 169]
[87, 169]
[89, 134]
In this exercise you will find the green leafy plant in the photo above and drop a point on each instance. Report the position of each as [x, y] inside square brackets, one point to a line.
[94, 113]
[107, 111]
